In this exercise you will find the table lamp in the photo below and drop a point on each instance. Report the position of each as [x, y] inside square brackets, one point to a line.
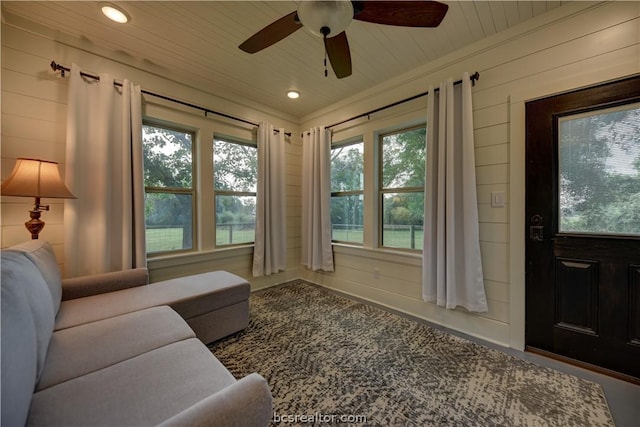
[35, 178]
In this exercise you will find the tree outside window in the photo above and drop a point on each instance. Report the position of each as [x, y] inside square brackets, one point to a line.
[169, 189]
[347, 185]
[401, 188]
[235, 165]
[599, 165]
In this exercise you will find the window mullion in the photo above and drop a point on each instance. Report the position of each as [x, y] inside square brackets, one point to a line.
[346, 193]
[402, 190]
[169, 190]
[235, 193]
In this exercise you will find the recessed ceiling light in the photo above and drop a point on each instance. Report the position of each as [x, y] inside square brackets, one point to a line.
[293, 94]
[114, 13]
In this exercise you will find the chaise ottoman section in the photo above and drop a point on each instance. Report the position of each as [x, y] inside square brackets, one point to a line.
[214, 304]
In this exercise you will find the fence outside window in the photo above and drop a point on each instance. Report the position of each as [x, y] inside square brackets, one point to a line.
[397, 235]
[162, 238]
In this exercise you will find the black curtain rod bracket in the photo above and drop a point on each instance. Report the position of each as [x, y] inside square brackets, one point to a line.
[57, 67]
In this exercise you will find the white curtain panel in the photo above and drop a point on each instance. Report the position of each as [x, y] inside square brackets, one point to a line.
[317, 253]
[104, 226]
[452, 266]
[270, 250]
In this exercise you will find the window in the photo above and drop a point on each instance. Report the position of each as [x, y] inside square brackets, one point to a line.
[169, 190]
[235, 165]
[599, 158]
[347, 184]
[401, 186]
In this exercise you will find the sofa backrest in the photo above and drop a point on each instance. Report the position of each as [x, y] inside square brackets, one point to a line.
[28, 318]
[41, 253]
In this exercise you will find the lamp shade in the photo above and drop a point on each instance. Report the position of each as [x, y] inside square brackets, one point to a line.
[35, 178]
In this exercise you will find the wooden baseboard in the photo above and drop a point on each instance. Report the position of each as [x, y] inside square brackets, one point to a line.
[584, 365]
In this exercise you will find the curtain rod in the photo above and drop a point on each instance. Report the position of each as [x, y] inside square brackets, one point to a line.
[57, 67]
[473, 77]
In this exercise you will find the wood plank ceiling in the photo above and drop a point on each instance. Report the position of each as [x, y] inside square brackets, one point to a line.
[196, 43]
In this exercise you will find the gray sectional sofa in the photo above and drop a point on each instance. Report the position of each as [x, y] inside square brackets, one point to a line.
[113, 350]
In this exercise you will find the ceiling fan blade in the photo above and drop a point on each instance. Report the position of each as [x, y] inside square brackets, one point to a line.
[272, 33]
[400, 13]
[338, 52]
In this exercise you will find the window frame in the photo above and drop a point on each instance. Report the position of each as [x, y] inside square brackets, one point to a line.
[176, 190]
[342, 144]
[382, 191]
[216, 192]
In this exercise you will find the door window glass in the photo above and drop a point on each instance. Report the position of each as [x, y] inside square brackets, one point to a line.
[599, 171]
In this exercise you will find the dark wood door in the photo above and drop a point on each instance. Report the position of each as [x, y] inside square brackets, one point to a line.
[583, 225]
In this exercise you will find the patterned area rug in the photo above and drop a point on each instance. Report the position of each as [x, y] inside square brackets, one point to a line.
[332, 360]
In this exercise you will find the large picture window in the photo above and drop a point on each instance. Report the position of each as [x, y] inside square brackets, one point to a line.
[401, 187]
[169, 188]
[235, 166]
[347, 185]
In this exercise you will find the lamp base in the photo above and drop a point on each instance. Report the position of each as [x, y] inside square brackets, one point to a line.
[35, 224]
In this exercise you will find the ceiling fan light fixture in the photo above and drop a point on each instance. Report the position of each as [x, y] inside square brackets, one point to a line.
[293, 94]
[334, 15]
[114, 13]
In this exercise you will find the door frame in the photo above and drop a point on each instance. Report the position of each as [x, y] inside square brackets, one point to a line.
[515, 137]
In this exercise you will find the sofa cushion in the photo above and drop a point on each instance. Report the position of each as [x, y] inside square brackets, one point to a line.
[144, 390]
[40, 252]
[190, 296]
[87, 348]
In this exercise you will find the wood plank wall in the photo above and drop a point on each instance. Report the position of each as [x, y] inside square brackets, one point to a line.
[575, 45]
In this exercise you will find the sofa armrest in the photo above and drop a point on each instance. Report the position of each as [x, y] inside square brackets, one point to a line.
[245, 403]
[78, 287]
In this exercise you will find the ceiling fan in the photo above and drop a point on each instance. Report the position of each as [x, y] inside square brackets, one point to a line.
[330, 19]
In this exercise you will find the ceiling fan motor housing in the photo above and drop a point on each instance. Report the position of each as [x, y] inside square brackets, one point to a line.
[325, 18]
